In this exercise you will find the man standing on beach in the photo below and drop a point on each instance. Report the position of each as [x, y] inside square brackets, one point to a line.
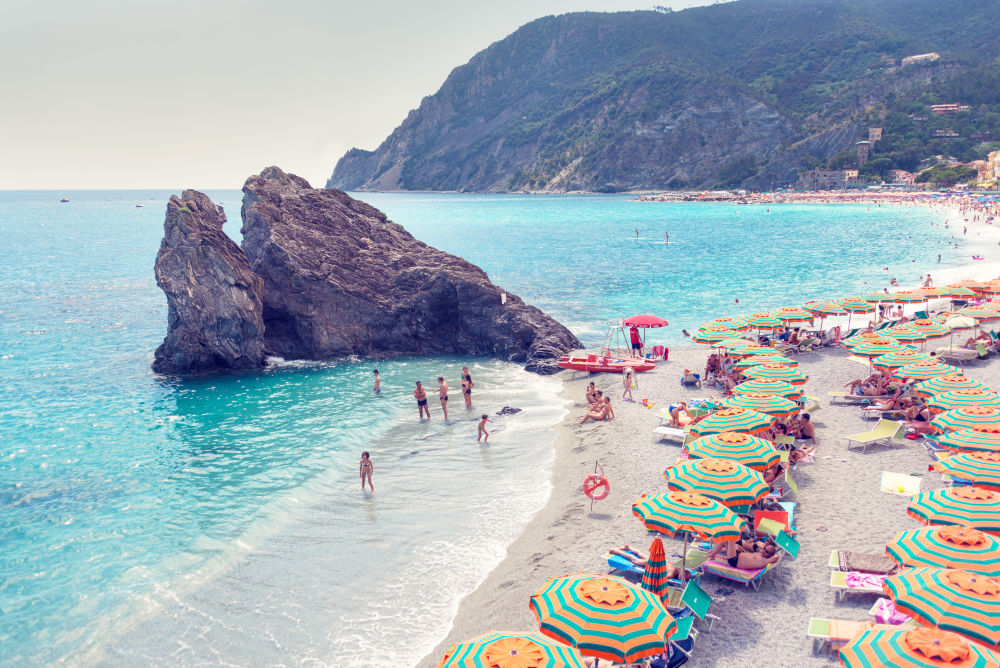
[420, 394]
[443, 391]
[636, 341]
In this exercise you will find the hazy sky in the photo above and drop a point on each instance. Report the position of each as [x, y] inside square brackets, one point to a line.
[203, 93]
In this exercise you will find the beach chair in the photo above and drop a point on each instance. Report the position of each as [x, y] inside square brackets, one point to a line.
[884, 433]
[862, 562]
[698, 601]
[722, 569]
[855, 582]
[670, 434]
[957, 355]
[920, 315]
[885, 612]
[845, 399]
[983, 351]
[832, 634]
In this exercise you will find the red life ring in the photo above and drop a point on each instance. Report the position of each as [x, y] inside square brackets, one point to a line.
[594, 482]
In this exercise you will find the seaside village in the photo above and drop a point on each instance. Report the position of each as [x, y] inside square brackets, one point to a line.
[745, 439]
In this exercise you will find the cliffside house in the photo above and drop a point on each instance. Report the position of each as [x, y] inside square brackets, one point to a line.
[950, 108]
[993, 160]
[901, 177]
[874, 134]
[920, 58]
[828, 179]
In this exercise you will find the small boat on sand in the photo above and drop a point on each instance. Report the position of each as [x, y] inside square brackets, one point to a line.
[599, 363]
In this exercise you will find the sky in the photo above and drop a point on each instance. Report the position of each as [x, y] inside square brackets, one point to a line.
[201, 94]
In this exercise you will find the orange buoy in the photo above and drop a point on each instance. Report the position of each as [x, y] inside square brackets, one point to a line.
[596, 486]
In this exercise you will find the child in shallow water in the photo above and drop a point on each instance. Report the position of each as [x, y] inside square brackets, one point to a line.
[483, 434]
[366, 470]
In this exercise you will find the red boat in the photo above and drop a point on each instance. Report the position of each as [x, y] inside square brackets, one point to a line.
[595, 364]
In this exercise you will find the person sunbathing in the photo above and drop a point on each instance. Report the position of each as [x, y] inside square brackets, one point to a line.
[601, 412]
[865, 388]
[804, 429]
[801, 454]
[741, 554]
[640, 558]
[689, 378]
[772, 472]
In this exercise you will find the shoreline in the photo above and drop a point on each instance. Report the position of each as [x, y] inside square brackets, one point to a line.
[565, 537]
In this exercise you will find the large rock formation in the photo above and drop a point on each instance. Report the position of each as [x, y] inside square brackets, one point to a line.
[214, 315]
[322, 275]
[339, 278]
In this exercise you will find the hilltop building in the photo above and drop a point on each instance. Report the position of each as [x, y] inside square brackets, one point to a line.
[828, 179]
[920, 58]
[950, 108]
[993, 161]
[901, 177]
[874, 134]
[863, 148]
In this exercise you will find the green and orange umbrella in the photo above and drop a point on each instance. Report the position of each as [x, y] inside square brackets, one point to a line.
[777, 372]
[882, 646]
[724, 480]
[877, 296]
[769, 404]
[982, 469]
[855, 304]
[980, 313]
[859, 338]
[900, 333]
[726, 322]
[603, 616]
[750, 350]
[763, 320]
[925, 370]
[714, 335]
[769, 386]
[671, 512]
[955, 381]
[770, 358]
[900, 359]
[957, 291]
[952, 546]
[751, 451]
[876, 347]
[949, 599]
[824, 309]
[793, 314]
[929, 328]
[975, 417]
[905, 297]
[731, 419]
[974, 507]
[501, 649]
[654, 576]
[971, 440]
[962, 397]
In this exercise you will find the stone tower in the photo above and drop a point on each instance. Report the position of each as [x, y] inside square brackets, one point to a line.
[863, 148]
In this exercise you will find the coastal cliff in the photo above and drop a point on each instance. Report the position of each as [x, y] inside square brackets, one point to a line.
[214, 312]
[326, 275]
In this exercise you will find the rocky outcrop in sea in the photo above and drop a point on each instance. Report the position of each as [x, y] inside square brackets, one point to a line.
[335, 277]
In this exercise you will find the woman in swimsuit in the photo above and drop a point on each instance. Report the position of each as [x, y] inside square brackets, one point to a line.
[366, 471]
[467, 387]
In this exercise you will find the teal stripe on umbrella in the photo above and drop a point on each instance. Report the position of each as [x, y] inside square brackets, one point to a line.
[860, 338]
[794, 314]
[777, 372]
[979, 468]
[855, 304]
[900, 333]
[687, 511]
[603, 616]
[876, 347]
[955, 381]
[970, 440]
[952, 546]
[924, 370]
[906, 297]
[714, 335]
[654, 577]
[982, 418]
[763, 320]
[908, 647]
[949, 599]
[769, 386]
[769, 358]
[724, 480]
[974, 507]
[506, 649]
[825, 308]
[962, 397]
[769, 404]
[731, 419]
[735, 324]
[900, 359]
[751, 451]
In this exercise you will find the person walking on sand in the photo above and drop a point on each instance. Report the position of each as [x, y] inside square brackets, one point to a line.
[366, 471]
[378, 383]
[627, 384]
[483, 434]
[467, 387]
[420, 394]
[443, 391]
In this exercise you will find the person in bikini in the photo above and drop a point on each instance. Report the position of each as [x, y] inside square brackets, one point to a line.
[443, 391]
[467, 385]
[366, 471]
[420, 394]
[627, 384]
[591, 394]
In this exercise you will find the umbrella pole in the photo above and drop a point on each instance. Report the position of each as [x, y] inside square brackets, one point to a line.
[684, 559]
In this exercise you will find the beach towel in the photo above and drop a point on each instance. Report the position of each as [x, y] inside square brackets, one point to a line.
[856, 580]
[885, 612]
[878, 564]
[899, 484]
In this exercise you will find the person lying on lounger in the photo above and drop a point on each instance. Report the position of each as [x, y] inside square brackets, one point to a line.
[640, 558]
[690, 378]
[741, 554]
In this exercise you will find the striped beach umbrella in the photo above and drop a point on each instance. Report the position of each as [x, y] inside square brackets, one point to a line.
[932, 293]
[906, 297]
[929, 328]
[770, 358]
[732, 342]
[876, 347]
[925, 370]
[769, 404]
[763, 320]
[956, 322]
[769, 386]
[877, 296]
[603, 616]
[750, 350]
[952, 546]
[777, 372]
[824, 309]
[969, 506]
[714, 335]
[793, 314]
[735, 324]
[971, 440]
[654, 576]
[855, 304]
[949, 599]
[900, 359]
[860, 338]
[983, 418]
[909, 647]
[982, 469]
[731, 419]
[501, 649]
[672, 512]
[963, 396]
[980, 313]
[950, 383]
[751, 451]
[724, 480]
[901, 333]
[956, 291]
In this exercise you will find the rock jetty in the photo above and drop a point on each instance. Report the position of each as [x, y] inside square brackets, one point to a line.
[335, 277]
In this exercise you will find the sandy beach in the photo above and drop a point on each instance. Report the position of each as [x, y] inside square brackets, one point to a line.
[840, 507]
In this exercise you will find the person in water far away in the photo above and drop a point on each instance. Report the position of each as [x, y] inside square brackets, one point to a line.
[443, 391]
[420, 394]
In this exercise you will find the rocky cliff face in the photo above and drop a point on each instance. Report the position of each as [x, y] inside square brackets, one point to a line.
[339, 278]
[215, 316]
[320, 275]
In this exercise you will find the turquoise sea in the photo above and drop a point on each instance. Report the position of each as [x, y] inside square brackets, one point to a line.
[155, 520]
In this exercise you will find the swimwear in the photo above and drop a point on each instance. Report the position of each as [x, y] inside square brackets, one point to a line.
[444, 398]
[636, 346]
[421, 402]
[468, 391]
[733, 561]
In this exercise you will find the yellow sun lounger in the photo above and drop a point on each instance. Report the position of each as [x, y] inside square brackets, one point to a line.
[885, 432]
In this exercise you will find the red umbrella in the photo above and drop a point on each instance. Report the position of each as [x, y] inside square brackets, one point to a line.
[649, 321]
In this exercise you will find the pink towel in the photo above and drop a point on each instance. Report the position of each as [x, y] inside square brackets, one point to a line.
[886, 613]
[858, 580]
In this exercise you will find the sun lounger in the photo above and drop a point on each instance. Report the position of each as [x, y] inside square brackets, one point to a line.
[722, 569]
[855, 582]
[863, 562]
[957, 355]
[832, 634]
[845, 399]
[670, 434]
[698, 601]
[885, 432]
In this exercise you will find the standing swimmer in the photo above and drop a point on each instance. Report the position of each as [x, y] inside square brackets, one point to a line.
[378, 383]
[483, 434]
[443, 391]
[420, 394]
[467, 387]
[366, 471]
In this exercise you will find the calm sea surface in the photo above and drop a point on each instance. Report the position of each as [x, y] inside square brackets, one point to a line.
[155, 520]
